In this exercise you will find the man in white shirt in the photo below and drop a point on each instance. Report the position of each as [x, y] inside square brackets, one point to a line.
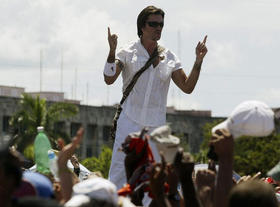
[146, 104]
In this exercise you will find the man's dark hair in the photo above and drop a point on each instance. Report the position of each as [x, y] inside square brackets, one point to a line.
[10, 164]
[143, 16]
[252, 193]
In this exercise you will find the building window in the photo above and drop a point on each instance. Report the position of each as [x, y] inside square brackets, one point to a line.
[74, 128]
[89, 152]
[106, 133]
[6, 125]
[91, 132]
[59, 126]
[186, 137]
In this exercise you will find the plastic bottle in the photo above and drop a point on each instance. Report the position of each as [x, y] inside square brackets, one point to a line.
[41, 147]
[53, 164]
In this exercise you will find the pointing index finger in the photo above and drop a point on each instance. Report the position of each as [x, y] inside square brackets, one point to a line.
[109, 32]
[204, 40]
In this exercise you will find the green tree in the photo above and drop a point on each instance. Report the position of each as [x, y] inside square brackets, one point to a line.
[101, 163]
[254, 154]
[34, 112]
[201, 156]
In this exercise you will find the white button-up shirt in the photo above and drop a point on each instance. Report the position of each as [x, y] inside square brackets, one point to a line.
[146, 103]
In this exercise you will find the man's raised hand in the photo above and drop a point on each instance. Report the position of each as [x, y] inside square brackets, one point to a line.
[112, 40]
[201, 49]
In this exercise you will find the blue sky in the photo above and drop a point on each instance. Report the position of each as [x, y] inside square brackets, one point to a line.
[242, 61]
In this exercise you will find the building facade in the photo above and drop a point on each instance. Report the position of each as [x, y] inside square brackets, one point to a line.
[97, 121]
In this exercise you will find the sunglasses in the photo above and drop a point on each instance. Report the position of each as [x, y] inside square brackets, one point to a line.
[155, 24]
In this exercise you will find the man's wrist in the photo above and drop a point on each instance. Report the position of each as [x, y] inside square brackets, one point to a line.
[198, 60]
[197, 64]
[112, 53]
[111, 56]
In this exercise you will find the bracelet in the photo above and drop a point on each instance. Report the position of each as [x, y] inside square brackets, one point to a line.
[110, 69]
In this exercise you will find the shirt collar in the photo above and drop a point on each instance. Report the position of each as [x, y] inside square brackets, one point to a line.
[141, 49]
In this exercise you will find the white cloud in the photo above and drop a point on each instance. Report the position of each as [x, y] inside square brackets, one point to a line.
[243, 40]
[269, 96]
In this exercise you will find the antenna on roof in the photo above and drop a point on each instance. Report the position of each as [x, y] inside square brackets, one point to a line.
[61, 72]
[179, 56]
[87, 93]
[41, 69]
[76, 84]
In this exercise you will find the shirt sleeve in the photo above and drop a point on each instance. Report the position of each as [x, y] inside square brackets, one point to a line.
[176, 62]
[121, 55]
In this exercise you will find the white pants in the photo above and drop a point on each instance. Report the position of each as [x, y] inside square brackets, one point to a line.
[125, 126]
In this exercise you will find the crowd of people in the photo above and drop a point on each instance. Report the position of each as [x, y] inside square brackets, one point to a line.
[166, 183]
[149, 168]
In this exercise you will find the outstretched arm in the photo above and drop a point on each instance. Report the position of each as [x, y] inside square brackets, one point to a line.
[187, 84]
[184, 166]
[64, 174]
[112, 68]
[223, 145]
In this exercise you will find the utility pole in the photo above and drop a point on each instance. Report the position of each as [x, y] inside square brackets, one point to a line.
[41, 69]
[61, 72]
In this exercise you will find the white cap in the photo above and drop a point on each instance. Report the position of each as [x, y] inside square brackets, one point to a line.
[96, 188]
[250, 118]
[165, 142]
[40, 129]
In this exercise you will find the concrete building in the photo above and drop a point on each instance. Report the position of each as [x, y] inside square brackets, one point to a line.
[97, 121]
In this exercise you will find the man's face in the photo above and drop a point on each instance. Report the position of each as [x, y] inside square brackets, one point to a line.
[153, 27]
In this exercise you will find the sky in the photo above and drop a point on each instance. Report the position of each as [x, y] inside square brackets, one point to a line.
[242, 62]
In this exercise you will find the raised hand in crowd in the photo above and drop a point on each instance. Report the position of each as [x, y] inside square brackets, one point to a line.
[138, 193]
[249, 177]
[174, 197]
[184, 166]
[76, 164]
[157, 180]
[205, 183]
[65, 175]
[223, 144]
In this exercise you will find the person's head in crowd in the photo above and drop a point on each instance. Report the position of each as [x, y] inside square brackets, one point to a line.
[249, 118]
[34, 184]
[94, 192]
[253, 193]
[10, 174]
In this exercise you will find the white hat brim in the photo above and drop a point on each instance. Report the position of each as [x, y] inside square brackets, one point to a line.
[222, 125]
